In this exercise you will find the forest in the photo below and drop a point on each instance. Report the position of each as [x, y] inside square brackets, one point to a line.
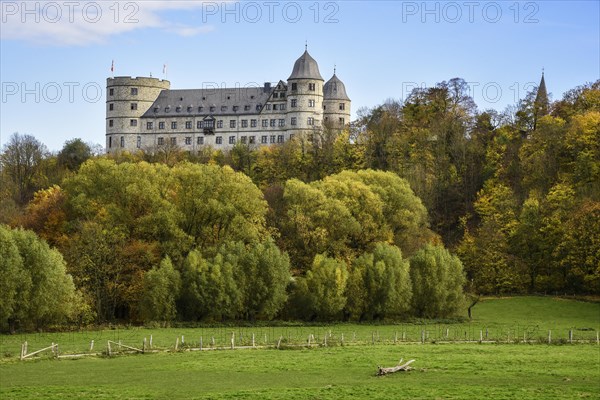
[417, 208]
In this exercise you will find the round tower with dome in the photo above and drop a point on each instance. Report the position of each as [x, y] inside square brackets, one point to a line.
[336, 103]
[305, 95]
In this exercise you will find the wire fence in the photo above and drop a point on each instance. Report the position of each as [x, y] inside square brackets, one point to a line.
[118, 341]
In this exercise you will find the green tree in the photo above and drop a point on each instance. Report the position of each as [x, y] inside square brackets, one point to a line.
[438, 279]
[324, 288]
[379, 284]
[11, 275]
[74, 153]
[161, 289]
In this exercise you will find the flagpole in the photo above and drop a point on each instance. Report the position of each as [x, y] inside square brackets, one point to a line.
[112, 69]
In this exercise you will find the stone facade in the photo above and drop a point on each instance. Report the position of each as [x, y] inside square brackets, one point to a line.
[145, 114]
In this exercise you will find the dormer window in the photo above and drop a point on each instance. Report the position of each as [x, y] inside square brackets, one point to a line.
[156, 109]
[235, 108]
[167, 109]
[275, 95]
[178, 109]
[200, 109]
[189, 109]
[246, 108]
[258, 107]
[223, 108]
[212, 108]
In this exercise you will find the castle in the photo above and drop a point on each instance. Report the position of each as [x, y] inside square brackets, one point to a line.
[145, 114]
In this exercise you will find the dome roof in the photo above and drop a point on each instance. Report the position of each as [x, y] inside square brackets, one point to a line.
[306, 68]
[334, 89]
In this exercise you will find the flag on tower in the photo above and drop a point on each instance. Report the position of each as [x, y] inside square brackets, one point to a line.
[112, 66]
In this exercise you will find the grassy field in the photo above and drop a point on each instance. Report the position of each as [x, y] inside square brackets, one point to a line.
[442, 370]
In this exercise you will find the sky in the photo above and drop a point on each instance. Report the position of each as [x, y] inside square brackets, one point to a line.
[55, 56]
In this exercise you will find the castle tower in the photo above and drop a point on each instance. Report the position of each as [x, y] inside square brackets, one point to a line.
[541, 104]
[305, 95]
[336, 103]
[127, 99]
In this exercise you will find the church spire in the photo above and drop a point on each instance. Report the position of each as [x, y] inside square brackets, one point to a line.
[541, 99]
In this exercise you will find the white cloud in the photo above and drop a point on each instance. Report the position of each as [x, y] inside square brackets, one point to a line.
[80, 23]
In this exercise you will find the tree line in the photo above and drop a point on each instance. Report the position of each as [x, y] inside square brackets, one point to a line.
[339, 220]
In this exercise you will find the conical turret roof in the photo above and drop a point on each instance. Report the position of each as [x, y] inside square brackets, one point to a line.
[306, 68]
[334, 89]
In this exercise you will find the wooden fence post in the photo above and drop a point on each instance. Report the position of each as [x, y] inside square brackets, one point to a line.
[232, 340]
[342, 339]
[200, 342]
[570, 336]
[92, 345]
[108, 348]
[549, 337]
[480, 336]
[150, 341]
[279, 342]
[422, 336]
[253, 343]
[177, 343]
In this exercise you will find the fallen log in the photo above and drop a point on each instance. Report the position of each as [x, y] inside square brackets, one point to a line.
[400, 367]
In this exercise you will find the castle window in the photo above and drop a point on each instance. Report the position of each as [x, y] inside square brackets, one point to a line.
[111, 92]
[161, 141]
[275, 107]
[212, 108]
[188, 140]
[200, 124]
[268, 107]
[252, 139]
[139, 142]
[244, 123]
[189, 109]
[280, 139]
[188, 124]
[282, 106]
[253, 123]
[281, 123]
[293, 121]
[311, 87]
[174, 125]
[265, 123]
[133, 122]
[220, 123]
[134, 91]
[178, 109]
[173, 141]
[342, 121]
[167, 109]
[161, 125]
[200, 140]
[243, 139]
[134, 106]
[110, 142]
[282, 95]
[324, 107]
[294, 103]
[263, 139]
[235, 108]
[272, 138]
[311, 103]
[111, 123]
[149, 125]
[219, 140]
[258, 107]
[231, 139]
[275, 95]
[200, 109]
[209, 123]
[310, 121]
[272, 123]
[291, 136]
[156, 109]
[122, 141]
[111, 107]
[246, 108]
[232, 123]
[342, 106]
[294, 86]
[223, 108]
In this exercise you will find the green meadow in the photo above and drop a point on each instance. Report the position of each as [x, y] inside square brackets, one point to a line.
[340, 370]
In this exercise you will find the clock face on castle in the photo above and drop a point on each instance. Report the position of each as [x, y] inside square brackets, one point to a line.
[145, 114]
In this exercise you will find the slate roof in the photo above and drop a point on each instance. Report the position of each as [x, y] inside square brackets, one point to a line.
[334, 89]
[198, 102]
[306, 68]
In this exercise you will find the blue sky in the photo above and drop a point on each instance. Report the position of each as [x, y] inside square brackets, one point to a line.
[56, 55]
